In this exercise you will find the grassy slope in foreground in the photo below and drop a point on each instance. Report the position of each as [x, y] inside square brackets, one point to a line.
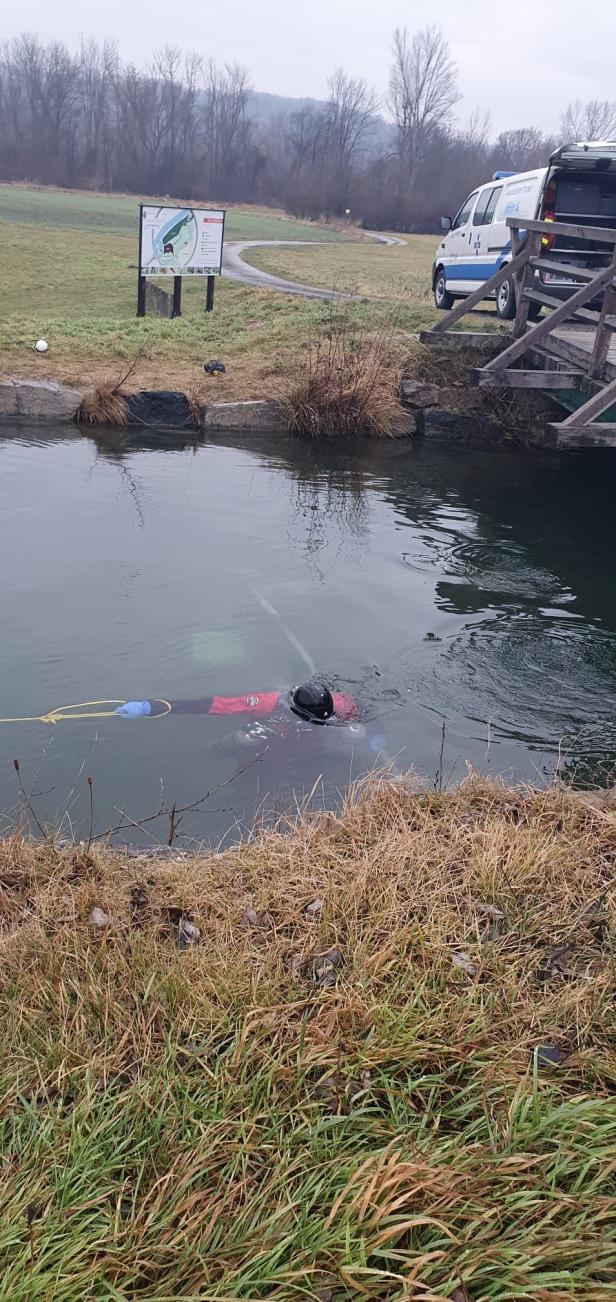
[237, 1120]
[68, 260]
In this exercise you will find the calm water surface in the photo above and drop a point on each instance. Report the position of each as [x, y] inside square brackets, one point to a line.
[469, 587]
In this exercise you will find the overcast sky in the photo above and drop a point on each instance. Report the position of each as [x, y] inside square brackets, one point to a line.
[524, 76]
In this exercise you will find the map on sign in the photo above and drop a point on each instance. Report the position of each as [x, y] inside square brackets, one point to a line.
[181, 241]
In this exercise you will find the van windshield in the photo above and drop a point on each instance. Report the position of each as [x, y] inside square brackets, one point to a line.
[465, 211]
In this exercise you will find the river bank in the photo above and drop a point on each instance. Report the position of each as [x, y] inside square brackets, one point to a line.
[374, 1053]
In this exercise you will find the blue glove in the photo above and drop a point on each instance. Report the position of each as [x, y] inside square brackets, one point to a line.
[377, 744]
[134, 709]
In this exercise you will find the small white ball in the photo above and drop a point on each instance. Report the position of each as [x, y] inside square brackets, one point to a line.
[41, 345]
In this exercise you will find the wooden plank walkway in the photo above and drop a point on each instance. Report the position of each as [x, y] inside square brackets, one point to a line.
[575, 343]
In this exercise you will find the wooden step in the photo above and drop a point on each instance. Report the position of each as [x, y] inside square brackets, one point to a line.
[548, 300]
[584, 313]
[600, 435]
[563, 269]
[512, 379]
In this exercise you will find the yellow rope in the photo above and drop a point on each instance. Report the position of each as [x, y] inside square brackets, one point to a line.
[63, 712]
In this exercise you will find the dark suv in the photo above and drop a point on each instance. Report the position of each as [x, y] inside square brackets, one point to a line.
[581, 189]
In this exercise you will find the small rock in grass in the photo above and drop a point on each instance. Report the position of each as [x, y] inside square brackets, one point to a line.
[492, 911]
[465, 963]
[262, 921]
[315, 909]
[188, 933]
[100, 919]
[326, 1284]
[319, 968]
[549, 1054]
[324, 967]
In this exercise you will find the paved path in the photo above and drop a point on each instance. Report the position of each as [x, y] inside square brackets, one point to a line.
[235, 268]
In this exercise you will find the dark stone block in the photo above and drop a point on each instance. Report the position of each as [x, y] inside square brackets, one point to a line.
[470, 429]
[160, 409]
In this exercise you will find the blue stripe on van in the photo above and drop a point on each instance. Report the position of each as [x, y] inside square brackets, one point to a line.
[471, 270]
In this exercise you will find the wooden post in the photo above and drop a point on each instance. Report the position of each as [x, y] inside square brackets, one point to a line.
[524, 280]
[140, 278]
[209, 297]
[176, 310]
[603, 337]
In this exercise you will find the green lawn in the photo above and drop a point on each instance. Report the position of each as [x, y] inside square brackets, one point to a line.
[399, 274]
[70, 277]
[111, 214]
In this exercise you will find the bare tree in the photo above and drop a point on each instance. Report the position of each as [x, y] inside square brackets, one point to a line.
[423, 92]
[476, 133]
[226, 127]
[595, 120]
[522, 149]
[98, 70]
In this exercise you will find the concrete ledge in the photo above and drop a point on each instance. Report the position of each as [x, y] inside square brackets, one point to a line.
[266, 416]
[464, 429]
[484, 343]
[37, 400]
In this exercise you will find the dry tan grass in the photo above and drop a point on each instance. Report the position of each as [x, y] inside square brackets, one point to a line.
[246, 1119]
[350, 382]
[105, 404]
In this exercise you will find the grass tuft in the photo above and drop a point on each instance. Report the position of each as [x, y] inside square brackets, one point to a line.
[105, 404]
[385, 1068]
[350, 383]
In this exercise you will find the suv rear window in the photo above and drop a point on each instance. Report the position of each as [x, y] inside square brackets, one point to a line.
[586, 196]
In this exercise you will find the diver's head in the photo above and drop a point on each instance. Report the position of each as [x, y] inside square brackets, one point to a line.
[312, 702]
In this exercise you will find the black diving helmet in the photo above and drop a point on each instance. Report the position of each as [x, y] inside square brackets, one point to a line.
[312, 702]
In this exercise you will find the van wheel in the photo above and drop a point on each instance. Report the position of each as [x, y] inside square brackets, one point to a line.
[443, 299]
[505, 301]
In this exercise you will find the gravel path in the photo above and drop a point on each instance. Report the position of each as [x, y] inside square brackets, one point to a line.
[236, 268]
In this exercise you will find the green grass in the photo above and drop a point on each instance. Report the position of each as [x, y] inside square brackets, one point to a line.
[69, 264]
[76, 287]
[217, 1123]
[119, 214]
[400, 274]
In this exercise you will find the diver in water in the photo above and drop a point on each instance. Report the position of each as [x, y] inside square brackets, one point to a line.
[275, 717]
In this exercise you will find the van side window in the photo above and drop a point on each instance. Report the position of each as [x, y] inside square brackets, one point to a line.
[483, 200]
[488, 215]
[486, 204]
[465, 211]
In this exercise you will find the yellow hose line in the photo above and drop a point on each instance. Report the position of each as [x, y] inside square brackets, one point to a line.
[64, 712]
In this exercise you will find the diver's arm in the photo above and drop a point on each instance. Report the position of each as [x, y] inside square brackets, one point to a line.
[151, 709]
[201, 706]
[257, 707]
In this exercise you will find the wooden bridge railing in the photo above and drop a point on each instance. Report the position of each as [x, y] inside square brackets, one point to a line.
[528, 257]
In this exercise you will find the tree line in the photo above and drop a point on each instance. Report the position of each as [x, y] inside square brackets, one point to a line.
[184, 126]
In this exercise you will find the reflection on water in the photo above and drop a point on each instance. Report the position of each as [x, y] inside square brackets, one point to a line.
[434, 584]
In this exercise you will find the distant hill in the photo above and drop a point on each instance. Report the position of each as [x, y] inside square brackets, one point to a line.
[265, 107]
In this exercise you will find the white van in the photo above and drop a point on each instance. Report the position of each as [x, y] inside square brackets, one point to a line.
[479, 242]
[578, 186]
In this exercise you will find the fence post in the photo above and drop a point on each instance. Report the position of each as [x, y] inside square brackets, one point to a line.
[524, 280]
[603, 337]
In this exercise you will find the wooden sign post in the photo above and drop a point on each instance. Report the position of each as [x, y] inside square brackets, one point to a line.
[179, 242]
